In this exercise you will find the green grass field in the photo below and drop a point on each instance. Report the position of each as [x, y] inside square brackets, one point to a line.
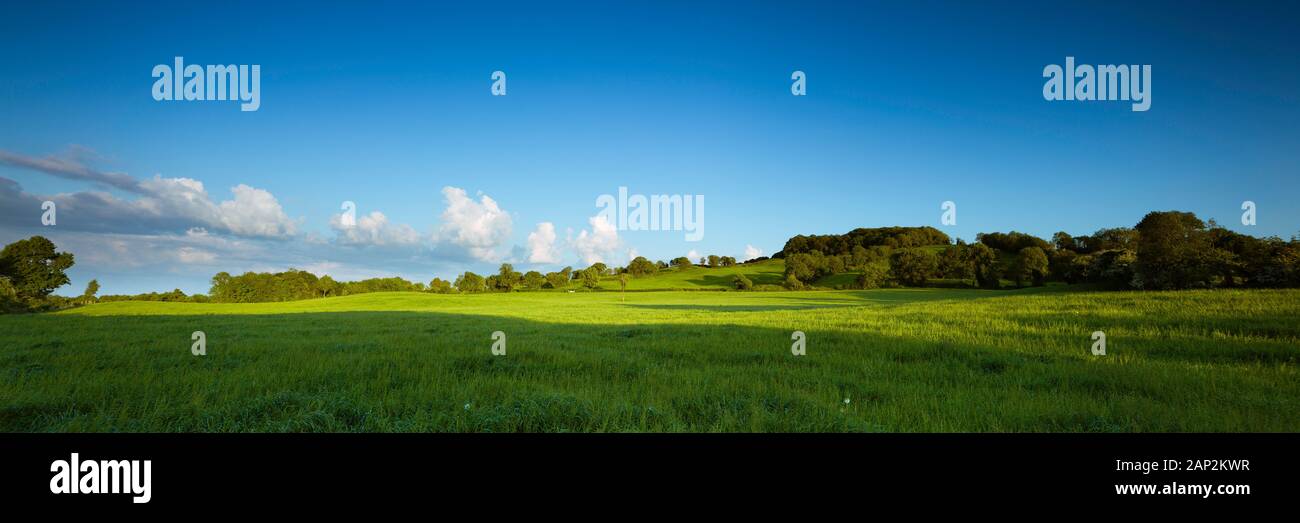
[885, 360]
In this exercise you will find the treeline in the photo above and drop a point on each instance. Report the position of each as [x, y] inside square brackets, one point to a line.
[290, 285]
[842, 244]
[1166, 250]
[293, 284]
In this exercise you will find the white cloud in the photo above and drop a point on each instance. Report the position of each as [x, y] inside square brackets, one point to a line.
[478, 227]
[541, 244]
[693, 256]
[752, 252]
[372, 229]
[170, 205]
[192, 255]
[599, 243]
[255, 212]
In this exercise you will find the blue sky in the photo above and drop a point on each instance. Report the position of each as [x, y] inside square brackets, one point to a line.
[908, 104]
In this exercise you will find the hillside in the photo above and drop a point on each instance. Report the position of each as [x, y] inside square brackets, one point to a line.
[766, 272]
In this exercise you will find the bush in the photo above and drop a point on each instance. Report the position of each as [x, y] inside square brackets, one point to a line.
[740, 282]
[792, 283]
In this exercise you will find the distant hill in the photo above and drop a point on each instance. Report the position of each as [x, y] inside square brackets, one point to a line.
[835, 244]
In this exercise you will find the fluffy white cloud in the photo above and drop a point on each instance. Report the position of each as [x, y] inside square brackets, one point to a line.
[372, 229]
[693, 256]
[598, 243]
[541, 244]
[752, 252]
[478, 227]
[255, 212]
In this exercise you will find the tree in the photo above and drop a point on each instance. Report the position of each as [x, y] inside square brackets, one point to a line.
[328, 287]
[439, 286]
[601, 268]
[808, 267]
[1063, 241]
[534, 280]
[1115, 268]
[1012, 241]
[1172, 251]
[590, 277]
[557, 280]
[859, 256]
[1060, 264]
[894, 237]
[740, 282]
[953, 263]
[92, 288]
[984, 261]
[34, 268]
[913, 267]
[507, 278]
[714, 260]
[470, 282]
[1031, 263]
[834, 264]
[873, 275]
[728, 261]
[681, 262]
[640, 266]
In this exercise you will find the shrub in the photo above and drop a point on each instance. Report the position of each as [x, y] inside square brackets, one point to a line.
[740, 282]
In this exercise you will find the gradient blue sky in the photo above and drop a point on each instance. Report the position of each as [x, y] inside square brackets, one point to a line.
[909, 104]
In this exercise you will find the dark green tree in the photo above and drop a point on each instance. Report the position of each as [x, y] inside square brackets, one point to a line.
[913, 267]
[34, 268]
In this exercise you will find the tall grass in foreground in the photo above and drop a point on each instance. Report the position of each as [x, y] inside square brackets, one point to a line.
[887, 360]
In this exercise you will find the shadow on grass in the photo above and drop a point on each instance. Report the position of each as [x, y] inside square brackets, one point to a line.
[725, 280]
[738, 308]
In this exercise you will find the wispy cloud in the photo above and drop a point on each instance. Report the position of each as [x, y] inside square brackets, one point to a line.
[69, 166]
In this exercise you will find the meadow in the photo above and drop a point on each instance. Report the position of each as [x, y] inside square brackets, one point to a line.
[882, 360]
